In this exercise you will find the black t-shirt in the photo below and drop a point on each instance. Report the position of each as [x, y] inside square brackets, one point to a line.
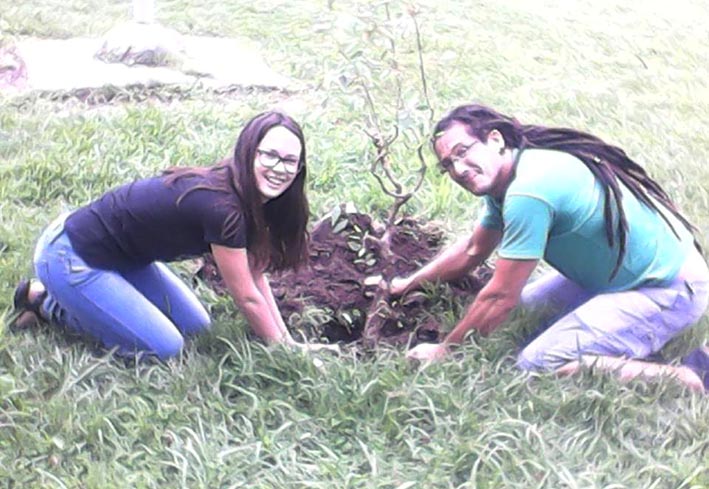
[141, 222]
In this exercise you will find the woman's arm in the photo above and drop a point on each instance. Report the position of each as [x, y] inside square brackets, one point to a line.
[264, 287]
[251, 291]
[233, 264]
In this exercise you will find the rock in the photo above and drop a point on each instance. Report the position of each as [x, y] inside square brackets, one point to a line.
[144, 44]
[13, 70]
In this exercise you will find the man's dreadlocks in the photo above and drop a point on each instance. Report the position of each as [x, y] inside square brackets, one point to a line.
[609, 164]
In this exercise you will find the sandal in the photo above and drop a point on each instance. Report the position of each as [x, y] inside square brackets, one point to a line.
[24, 307]
[698, 361]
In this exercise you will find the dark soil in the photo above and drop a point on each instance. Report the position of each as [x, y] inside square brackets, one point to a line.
[344, 250]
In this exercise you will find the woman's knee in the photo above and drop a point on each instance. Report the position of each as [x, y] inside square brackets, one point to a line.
[178, 301]
[196, 322]
[168, 346]
[154, 336]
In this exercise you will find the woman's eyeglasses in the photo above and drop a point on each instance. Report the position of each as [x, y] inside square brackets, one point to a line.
[270, 159]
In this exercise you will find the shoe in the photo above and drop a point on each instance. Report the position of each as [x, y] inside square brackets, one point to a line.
[698, 361]
[27, 311]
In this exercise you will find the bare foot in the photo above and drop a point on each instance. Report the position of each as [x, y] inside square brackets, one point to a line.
[628, 369]
[689, 378]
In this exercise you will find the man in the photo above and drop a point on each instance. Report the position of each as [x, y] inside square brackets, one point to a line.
[627, 274]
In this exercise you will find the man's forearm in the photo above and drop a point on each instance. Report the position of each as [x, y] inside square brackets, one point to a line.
[451, 264]
[485, 314]
[496, 300]
[463, 256]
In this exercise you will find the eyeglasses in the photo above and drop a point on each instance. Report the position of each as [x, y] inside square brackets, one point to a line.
[270, 159]
[460, 153]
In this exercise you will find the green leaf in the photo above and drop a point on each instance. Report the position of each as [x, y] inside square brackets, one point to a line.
[340, 226]
[335, 215]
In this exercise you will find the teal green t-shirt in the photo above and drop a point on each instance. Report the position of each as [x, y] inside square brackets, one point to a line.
[553, 210]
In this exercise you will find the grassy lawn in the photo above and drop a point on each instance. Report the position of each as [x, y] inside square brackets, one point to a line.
[230, 412]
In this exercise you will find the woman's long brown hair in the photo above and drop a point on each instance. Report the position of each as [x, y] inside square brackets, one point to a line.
[276, 230]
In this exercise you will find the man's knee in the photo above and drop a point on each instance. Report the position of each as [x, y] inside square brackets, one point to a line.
[538, 360]
[527, 361]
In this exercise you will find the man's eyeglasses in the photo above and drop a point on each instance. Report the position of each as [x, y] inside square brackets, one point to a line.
[460, 153]
[270, 159]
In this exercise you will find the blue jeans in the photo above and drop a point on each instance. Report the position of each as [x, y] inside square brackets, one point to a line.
[633, 323]
[147, 309]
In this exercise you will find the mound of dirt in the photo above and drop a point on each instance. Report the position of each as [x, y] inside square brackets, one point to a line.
[345, 249]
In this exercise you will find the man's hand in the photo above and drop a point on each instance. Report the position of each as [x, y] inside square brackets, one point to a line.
[398, 286]
[428, 352]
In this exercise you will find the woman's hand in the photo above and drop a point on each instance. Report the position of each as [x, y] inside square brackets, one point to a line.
[428, 352]
[310, 347]
[313, 347]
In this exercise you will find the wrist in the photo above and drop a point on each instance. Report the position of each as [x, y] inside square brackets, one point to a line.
[409, 283]
[452, 340]
[399, 286]
[287, 339]
[284, 339]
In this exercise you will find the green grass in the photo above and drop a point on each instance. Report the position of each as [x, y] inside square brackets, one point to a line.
[231, 413]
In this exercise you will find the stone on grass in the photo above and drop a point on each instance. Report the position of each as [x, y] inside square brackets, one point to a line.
[140, 55]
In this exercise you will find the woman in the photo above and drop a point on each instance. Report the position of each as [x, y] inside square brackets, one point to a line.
[627, 273]
[100, 267]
